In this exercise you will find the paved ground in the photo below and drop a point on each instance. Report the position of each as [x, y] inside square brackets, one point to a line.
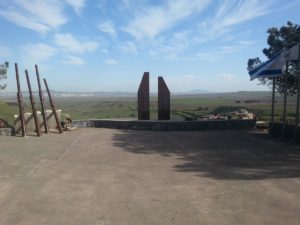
[106, 176]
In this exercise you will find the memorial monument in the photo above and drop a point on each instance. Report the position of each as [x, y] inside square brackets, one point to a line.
[143, 98]
[163, 100]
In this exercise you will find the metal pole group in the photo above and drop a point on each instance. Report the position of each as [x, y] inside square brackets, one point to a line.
[32, 101]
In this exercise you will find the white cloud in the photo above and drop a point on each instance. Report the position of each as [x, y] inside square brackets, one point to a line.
[70, 44]
[155, 20]
[112, 61]
[76, 4]
[74, 60]
[172, 46]
[151, 21]
[24, 21]
[238, 47]
[129, 47]
[107, 27]
[230, 13]
[220, 52]
[37, 15]
[34, 53]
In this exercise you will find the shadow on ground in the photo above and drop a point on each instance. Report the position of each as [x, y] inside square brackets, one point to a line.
[228, 155]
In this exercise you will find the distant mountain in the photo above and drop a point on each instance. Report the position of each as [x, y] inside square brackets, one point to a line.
[94, 94]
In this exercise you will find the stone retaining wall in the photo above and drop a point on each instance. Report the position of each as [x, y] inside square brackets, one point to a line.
[6, 132]
[168, 125]
[288, 131]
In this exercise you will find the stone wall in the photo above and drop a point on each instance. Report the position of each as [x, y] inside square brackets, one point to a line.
[7, 132]
[168, 125]
[288, 131]
[6, 129]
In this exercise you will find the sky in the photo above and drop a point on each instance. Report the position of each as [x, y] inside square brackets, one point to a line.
[107, 45]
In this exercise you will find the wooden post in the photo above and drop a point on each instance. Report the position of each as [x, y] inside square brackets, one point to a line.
[20, 101]
[53, 108]
[35, 117]
[41, 99]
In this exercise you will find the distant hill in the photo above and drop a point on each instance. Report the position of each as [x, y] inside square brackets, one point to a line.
[71, 94]
[262, 96]
[199, 91]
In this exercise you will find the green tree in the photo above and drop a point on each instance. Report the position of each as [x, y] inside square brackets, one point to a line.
[279, 38]
[3, 73]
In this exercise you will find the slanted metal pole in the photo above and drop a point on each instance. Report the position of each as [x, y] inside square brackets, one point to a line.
[271, 127]
[283, 130]
[53, 108]
[298, 98]
[41, 99]
[298, 95]
[273, 101]
[298, 90]
[285, 92]
[20, 101]
[35, 117]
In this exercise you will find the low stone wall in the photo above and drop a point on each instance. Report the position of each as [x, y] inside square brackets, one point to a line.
[168, 125]
[6, 132]
[288, 131]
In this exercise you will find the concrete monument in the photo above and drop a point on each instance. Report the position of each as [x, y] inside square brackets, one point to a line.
[143, 98]
[163, 100]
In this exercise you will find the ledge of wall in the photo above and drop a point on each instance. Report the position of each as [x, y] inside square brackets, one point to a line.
[167, 125]
[7, 132]
[288, 131]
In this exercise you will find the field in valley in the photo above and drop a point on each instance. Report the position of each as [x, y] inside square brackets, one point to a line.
[182, 106]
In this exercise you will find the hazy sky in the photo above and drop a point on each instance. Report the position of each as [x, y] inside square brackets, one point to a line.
[106, 45]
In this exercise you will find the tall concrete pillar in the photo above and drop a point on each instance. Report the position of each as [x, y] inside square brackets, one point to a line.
[143, 98]
[163, 100]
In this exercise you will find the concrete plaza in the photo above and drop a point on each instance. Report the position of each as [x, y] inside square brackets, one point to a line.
[94, 176]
